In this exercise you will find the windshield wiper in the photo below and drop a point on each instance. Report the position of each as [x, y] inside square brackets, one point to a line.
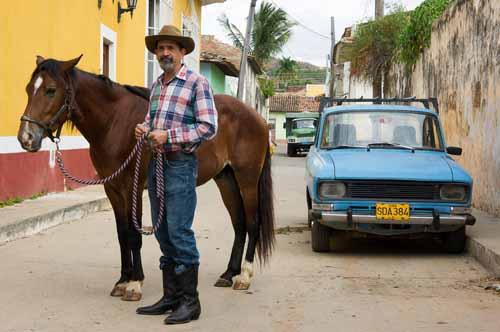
[390, 145]
[342, 147]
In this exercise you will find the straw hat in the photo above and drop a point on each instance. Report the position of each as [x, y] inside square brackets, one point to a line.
[169, 32]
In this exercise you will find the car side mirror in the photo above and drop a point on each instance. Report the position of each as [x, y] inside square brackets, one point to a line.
[454, 150]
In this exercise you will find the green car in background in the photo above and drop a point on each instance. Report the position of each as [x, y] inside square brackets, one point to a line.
[300, 131]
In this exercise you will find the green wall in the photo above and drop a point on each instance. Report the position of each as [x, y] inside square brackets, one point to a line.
[215, 76]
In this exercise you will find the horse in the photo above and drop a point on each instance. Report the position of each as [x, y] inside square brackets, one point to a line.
[106, 113]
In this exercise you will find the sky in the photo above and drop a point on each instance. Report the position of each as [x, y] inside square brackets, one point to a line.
[310, 41]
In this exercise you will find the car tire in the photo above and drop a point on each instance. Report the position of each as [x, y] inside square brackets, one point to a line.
[454, 242]
[290, 151]
[320, 237]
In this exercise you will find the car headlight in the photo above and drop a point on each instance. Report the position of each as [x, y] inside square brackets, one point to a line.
[452, 192]
[291, 140]
[332, 190]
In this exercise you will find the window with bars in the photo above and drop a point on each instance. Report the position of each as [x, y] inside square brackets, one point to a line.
[190, 28]
[159, 14]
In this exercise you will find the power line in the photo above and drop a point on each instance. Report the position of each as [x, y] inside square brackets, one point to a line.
[300, 23]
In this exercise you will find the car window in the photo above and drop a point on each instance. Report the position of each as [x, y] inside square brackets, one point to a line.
[416, 130]
[303, 124]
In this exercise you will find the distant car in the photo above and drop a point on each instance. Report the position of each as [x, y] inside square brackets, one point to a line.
[385, 170]
[300, 131]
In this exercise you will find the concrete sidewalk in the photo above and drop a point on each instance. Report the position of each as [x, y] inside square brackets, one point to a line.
[33, 216]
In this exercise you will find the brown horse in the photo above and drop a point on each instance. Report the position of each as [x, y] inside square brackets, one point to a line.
[106, 113]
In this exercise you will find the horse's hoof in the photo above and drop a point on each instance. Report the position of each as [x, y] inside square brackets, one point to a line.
[241, 285]
[118, 290]
[223, 283]
[131, 296]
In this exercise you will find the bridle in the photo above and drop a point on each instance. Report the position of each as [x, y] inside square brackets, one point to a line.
[69, 99]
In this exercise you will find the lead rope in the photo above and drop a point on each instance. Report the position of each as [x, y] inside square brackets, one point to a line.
[160, 182]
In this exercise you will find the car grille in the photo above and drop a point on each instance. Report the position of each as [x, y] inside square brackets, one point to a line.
[393, 190]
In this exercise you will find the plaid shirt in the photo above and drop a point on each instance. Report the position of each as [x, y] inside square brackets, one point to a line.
[185, 108]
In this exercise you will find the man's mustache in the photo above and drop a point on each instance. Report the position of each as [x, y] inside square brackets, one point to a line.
[167, 59]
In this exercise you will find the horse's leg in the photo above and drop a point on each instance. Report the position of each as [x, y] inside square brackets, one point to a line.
[121, 228]
[232, 200]
[248, 184]
[133, 291]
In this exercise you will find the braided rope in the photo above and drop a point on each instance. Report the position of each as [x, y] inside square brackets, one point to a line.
[160, 182]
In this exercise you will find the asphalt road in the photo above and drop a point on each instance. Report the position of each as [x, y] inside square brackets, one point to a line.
[60, 280]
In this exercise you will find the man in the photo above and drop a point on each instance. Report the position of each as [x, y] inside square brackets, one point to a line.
[181, 115]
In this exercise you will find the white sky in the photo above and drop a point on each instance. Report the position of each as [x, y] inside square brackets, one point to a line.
[315, 14]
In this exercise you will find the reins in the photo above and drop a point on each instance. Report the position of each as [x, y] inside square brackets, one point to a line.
[69, 100]
[136, 151]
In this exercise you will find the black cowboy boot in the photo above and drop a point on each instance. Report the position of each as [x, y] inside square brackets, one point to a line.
[190, 307]
[171, 295]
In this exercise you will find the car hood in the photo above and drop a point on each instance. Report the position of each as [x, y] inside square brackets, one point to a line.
[391, 164]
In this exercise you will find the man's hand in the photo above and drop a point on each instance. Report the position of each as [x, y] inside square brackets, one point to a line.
[157, 137]
[140, 130]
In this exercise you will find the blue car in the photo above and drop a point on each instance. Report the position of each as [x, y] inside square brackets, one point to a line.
[385, 170]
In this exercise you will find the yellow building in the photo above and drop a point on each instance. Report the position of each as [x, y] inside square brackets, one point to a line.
[62, 30]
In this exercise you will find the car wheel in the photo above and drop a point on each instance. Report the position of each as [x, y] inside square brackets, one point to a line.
[320, 237]
[290, 151]
[454, 242]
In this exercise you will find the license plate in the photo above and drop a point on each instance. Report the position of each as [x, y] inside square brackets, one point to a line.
[305, 140]
[392, 211]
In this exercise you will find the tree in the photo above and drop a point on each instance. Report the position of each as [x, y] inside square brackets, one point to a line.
[376, 43]
[271, 31]
[287, 68]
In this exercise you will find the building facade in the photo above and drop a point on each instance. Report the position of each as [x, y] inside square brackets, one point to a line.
[63, 30]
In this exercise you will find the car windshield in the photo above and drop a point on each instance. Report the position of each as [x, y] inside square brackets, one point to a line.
[303, 124]
[379, 129]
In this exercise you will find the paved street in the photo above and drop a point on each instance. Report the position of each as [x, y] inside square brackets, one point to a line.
[59, 280]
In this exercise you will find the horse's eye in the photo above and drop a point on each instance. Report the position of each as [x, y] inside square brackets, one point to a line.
[50, 92]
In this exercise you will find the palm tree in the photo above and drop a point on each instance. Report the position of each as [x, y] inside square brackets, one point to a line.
[287, 68]
[270, 32]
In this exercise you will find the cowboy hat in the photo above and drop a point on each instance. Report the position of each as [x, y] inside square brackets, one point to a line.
[169, 32]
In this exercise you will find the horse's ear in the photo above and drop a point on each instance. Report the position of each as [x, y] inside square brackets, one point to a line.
[70, 64]
[39, 60]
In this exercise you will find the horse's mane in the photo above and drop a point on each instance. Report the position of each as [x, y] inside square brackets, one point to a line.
[139, 91]
[52, 67]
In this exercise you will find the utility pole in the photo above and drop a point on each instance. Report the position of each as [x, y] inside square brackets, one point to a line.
[377, 80]
[332, 59]
[244, 55]
[379, 8]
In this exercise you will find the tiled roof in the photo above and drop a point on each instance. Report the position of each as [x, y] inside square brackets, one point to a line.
[293, 103]
[210, 47]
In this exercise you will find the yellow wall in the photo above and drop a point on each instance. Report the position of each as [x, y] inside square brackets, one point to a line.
[314, 90]
[62, 29]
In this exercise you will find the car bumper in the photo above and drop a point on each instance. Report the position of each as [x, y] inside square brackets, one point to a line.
[344, 220]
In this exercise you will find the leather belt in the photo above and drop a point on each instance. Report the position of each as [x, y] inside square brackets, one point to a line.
[175, 155]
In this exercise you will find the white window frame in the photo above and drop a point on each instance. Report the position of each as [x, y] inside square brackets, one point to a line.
[108, 36]
[163, 16]
[189, 27]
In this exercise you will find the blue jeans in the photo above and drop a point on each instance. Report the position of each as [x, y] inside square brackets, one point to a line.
[175, 236]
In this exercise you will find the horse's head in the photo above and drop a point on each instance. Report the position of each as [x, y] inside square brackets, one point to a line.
[50, 98]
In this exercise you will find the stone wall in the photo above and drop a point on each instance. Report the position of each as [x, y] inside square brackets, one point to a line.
[462, 68]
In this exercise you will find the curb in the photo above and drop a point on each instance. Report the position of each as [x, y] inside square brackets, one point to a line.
[487, 257]
[33, 225]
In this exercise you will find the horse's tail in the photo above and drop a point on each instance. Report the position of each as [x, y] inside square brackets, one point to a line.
[265, 212]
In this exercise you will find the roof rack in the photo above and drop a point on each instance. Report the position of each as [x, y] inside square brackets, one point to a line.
[327, 102]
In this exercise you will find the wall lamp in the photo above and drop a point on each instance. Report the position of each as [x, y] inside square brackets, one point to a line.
[132, 4]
